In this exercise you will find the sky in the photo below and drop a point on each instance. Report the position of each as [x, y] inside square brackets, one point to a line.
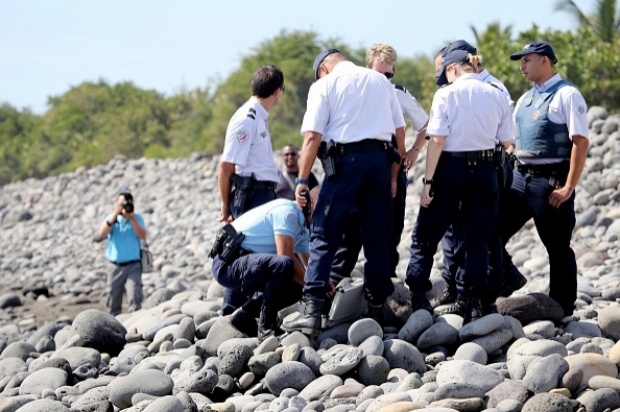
[48, 46]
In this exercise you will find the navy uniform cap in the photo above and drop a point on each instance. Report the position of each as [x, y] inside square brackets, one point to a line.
[319, 59]
[459, 45]
[453, 56]
[537, 46]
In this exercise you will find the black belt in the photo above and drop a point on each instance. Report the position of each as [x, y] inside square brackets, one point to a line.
[265, 185]
[125, 263]
[364, 146]
[475, 155]
[544, 170]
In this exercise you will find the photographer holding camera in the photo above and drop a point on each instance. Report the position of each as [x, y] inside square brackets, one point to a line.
[124, 230]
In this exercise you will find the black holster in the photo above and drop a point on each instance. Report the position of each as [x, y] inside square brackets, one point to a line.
[327, 154]
[244, 188]
[500, 157]
[395, 154]
[227, 244]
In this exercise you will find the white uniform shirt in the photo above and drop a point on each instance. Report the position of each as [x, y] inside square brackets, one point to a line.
[471, 114]
[351, 104]
[487, 77]
[411, 108]
[248, 143]
[567, 107]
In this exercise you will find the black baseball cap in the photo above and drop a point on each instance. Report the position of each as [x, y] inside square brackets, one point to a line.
[459, 45]
[538, 47]
[454, 56]
[319, 59]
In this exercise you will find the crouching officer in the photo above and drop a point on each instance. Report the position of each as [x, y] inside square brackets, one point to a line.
[256, 253]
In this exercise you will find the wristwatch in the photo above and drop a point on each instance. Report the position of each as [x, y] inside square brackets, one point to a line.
[299, 181]
[427, 181]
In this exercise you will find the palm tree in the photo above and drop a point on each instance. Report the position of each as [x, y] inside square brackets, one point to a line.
[605, 21]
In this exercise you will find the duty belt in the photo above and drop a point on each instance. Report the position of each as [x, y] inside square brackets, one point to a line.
[544, 170]
[475, 155]
[124, 263]
[265, 185]
[364, 146]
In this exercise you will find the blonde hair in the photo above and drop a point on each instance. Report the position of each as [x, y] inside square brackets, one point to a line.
[469, 65]
[382, 52]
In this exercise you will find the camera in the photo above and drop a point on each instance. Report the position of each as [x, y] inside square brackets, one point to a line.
[128, 207]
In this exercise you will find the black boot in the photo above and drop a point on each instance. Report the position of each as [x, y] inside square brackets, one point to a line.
[420, 301]
[244, 322]
[309, 322]
[447, 297]
[511, 280]
[375, 312]
[473, 310]
[268, 324]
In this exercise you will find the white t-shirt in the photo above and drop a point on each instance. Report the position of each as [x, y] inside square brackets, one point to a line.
[411, 108]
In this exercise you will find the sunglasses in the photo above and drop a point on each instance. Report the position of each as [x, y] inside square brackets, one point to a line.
[289, 154]
[283, 87]
[388, 75]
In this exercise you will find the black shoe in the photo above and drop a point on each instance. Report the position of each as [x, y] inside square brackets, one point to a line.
[512, 280]
[419, 301]
[446, 297]
[488, 307]
[268, 326]
[473, 310]
[376, 312]
[308, 322]
[244, 322]
[456, 308]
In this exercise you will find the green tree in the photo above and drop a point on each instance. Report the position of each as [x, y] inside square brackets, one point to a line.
[604, 21]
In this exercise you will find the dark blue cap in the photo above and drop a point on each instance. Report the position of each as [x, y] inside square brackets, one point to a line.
[454, 56]
[460, 45]
[319, 59]
[538, 47]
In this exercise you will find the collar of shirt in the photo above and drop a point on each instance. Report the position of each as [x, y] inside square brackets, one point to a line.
[260, 110]
[467, 76]
[546, 85]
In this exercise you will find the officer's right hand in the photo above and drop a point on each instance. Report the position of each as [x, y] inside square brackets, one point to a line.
[425, 197]
[332, 292]
[225, 215]
[301, 200]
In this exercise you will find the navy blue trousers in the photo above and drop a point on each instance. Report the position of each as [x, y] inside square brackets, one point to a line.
[453, 252]
[529, 198]
[363, 182]
[465, 196]
[260, 272]
[234, 299]
[351, 244]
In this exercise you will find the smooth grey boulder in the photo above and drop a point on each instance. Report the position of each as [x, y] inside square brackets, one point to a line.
[43, 405]
[41, 379]
[548, 402]
[544, 374]
[464, 371]
[373, 370]
[99, 330]
[294, 375]
[401, 354]
[151, 382]
[19, 349]
[320, 388]
[362, 329]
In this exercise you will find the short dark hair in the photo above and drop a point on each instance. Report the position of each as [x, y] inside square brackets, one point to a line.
[266, 81]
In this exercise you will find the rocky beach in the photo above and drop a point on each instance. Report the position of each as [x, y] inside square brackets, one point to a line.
[61, 351]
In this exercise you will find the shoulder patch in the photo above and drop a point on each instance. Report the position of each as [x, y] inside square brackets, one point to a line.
[400, 87]
[252, 113]
[580, 109]
[242, 135]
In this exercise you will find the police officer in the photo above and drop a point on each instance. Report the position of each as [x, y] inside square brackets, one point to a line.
[270, 235]
[551, 149]
[247, 173]
[383, 58]
[352, 111]
[453, 255]
[468, 119]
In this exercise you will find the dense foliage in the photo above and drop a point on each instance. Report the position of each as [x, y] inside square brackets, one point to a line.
[92, 122]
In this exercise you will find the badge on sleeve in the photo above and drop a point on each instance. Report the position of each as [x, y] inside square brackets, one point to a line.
[580, 110]
[536, 115]
[242, 136]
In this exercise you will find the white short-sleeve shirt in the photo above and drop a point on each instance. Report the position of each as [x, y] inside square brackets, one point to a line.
[248, 143]
[351, 104]
[473, 115]
[412, 110]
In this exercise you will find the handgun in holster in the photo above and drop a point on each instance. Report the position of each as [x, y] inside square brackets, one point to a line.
[227, 244]
[327, 155]
[396, 158]
[244, 186]
[499, 159]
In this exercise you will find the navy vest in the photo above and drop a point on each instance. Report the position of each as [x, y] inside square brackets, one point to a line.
[537, 136]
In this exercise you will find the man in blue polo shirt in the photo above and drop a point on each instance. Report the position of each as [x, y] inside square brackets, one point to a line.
[270, 237]
[124, 230]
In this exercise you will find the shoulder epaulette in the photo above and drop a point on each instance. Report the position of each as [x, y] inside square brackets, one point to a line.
[400, 87]
[496, 86]
[252, 113]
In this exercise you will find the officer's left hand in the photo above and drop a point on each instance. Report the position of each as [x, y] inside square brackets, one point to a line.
[559, 196]
[410, 158]
[425, 197]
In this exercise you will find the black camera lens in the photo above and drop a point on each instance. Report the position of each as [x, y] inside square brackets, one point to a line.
[128, 207]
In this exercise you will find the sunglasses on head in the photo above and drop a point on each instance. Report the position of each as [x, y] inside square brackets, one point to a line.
[388, 75]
